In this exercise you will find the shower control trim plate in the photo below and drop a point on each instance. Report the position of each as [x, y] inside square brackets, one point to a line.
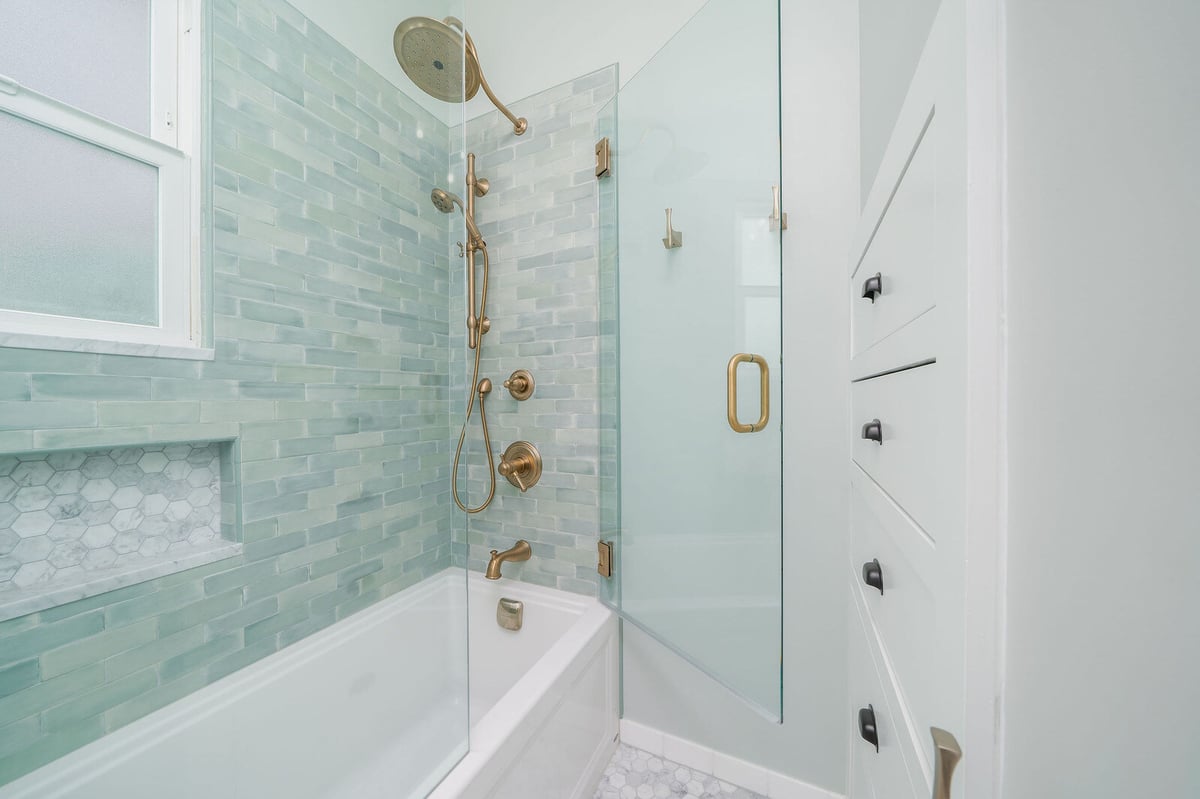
[521, 465]
[520, 384]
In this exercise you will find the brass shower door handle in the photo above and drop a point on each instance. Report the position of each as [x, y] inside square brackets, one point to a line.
[764, 392]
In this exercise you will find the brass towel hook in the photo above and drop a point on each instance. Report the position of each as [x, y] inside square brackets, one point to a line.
[674, 238]
[777, 219]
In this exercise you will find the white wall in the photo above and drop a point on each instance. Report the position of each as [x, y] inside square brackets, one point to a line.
[527, 45]
[1104, 534]
[820, 162]
[891, 37]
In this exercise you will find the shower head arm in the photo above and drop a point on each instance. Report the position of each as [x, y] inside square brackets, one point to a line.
[520, 124]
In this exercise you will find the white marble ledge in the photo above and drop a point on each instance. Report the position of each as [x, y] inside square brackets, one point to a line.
[33, 341]
[14, 602]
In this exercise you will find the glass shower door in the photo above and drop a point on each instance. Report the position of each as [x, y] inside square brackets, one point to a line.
[692, 272]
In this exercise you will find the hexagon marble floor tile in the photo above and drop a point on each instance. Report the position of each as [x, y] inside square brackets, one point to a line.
[634, 774]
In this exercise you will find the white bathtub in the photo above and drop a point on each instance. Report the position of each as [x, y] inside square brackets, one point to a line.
[373, 707]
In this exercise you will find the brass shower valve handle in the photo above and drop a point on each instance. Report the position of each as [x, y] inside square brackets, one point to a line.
[521, 464]
[520, 385]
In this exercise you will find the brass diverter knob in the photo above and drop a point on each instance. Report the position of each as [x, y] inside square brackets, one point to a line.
[520, 384]
[521, 463]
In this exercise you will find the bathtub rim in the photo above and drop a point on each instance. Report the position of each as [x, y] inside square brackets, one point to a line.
[517, 715]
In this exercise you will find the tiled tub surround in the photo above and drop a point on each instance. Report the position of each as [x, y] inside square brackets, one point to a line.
[76, 524]
[540, 220]
[330, 301]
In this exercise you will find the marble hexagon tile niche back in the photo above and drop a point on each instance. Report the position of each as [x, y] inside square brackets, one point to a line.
[67, 515]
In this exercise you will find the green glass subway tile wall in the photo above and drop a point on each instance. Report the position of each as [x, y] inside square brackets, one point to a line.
[541, 222]
[331, 301]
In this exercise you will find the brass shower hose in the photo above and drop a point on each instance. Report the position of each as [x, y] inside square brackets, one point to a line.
[480, 387]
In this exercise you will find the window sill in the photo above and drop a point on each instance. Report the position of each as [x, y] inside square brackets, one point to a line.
[30, 341]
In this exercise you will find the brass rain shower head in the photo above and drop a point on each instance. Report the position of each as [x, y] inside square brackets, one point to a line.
[440, 57]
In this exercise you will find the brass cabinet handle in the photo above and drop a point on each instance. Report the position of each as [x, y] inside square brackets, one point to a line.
[947, 753]
[873, 287]
[764, 388]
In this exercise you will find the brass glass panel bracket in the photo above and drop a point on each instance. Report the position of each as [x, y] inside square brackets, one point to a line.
[604, 558]
[764, 389]
[603, 158]
[674, 239]
[947, 753]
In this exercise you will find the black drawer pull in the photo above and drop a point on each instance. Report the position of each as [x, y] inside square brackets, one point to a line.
[866, 726]
[873, 574]
[873, 287]
[873, 431]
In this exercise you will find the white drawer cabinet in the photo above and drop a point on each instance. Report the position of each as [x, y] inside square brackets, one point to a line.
[898, 272]
[895, 438]
[923, 475]
[904, 614]
[882, 772]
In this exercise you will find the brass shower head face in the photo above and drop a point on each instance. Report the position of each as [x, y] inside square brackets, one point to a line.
[443, 200]
[433, 55]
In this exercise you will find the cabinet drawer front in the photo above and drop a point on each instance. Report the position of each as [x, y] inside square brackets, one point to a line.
[905, 614]
[883, 774]
[903, 456]
[902, 252]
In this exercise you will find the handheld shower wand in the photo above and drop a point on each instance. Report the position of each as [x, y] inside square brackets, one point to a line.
[445, 201]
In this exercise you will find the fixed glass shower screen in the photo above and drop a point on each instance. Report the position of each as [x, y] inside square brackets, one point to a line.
[690, 285]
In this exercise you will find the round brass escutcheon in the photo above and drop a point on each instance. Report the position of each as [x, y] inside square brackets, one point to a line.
[520, 384]
[521, 464]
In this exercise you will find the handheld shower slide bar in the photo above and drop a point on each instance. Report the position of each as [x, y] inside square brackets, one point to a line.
[477, 324]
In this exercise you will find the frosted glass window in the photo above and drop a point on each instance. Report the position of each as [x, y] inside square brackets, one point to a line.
[91, 54]
[78, 227]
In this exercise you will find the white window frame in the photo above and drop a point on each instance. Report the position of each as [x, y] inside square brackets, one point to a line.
[172, 148]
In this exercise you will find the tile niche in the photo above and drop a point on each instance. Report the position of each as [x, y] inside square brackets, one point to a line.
[75, 524]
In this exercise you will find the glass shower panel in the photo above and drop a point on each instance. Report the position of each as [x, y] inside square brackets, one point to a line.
[699, 563]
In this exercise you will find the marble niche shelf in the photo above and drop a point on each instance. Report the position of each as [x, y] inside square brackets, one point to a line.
[76, 524]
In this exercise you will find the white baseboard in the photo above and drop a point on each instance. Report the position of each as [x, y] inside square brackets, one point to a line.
[724, 767]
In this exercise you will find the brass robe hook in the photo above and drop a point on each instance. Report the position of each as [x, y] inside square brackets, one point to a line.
[674, 238]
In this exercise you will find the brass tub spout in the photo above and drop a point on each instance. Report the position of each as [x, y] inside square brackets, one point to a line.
[519, 552]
